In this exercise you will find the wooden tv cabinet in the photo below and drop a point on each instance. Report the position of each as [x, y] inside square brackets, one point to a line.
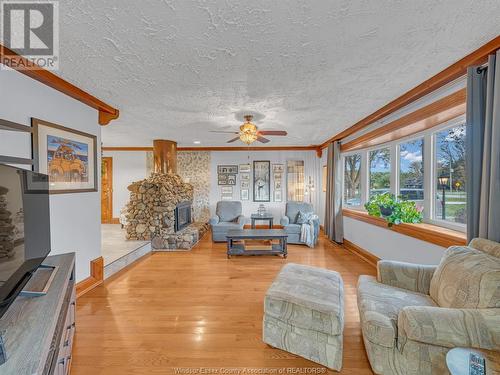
[36, 333]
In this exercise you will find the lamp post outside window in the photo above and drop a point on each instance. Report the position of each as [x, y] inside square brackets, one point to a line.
[443, 181]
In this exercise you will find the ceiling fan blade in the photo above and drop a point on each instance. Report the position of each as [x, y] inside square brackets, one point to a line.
[273, 132]
[222, 132]
[233, 140]
[263, 140]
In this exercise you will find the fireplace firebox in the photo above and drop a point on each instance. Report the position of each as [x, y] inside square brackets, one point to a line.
[182, 215]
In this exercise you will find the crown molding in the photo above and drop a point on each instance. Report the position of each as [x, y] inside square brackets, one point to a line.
[106, 112]
[221, 148]
[427, 117]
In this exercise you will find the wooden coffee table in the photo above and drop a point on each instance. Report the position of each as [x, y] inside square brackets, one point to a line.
[236, 238]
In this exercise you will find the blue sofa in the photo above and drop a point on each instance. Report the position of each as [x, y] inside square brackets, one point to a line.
[289, 221]
[227, 216]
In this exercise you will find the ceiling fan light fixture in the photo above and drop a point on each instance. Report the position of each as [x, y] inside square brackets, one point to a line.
[248, 131]
[247, 137]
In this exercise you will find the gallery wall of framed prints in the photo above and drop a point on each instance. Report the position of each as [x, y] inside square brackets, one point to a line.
[258, 181]
[226, 178]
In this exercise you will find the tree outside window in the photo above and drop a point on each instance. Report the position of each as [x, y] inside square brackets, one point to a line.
[352, 180]
[450, 162]
[380, 171]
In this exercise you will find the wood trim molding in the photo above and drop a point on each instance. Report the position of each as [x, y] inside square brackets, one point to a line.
[454, 71]
[95, 279]
[436, 113]
[360, 252]
[215, 148]
[104, 148]
[115, 220]
[24, 66]
[425, 232]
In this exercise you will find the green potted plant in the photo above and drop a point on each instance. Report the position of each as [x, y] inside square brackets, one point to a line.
[394, 210]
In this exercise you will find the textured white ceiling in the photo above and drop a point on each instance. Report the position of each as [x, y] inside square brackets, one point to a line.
[179, 68]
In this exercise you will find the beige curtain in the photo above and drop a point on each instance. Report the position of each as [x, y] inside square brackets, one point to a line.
[295, 180]
[334, 225]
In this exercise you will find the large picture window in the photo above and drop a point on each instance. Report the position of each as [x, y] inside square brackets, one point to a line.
[428, 169]
[352, 180]
[380, 171]
[411, 171]
[451, 192]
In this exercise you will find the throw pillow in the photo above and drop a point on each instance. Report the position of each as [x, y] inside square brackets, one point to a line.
[303, 217]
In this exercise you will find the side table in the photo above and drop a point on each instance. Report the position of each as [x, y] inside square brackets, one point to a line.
[266, 217]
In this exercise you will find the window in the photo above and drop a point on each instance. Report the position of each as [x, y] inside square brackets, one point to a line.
[295, 180]
[352, 180]
[428, 168]
[380, 171]
[411, 171]
[451, 197]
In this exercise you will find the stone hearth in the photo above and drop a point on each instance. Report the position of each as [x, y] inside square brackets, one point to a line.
[151, 213]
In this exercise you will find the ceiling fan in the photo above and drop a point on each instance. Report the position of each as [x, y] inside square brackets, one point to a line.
[249, 132]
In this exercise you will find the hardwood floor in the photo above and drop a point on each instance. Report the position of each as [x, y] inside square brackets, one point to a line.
[197, 309]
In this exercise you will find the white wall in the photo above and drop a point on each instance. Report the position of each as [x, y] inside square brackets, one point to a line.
[128, 166]
[311, 166]
[75, 218]
[390, 245]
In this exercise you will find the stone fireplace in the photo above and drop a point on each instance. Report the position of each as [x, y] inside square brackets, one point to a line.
[160, 207]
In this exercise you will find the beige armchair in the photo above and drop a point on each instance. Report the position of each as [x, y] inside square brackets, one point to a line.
[412, 315]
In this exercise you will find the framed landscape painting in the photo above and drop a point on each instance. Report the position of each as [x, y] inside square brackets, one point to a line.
[261, 181]
[67, 156]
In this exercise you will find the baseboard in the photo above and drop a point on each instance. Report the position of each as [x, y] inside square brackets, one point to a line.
[360, 252]
[95, 279]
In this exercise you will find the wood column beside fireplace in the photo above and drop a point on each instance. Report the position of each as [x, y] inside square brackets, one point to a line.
[165, 156]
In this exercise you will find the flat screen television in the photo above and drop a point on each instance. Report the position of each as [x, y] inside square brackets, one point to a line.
[24, 229]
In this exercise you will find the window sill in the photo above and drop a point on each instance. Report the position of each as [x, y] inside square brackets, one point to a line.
[426, 232]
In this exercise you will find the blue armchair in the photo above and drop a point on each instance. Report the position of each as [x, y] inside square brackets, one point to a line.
[289, 221]
[227, 216]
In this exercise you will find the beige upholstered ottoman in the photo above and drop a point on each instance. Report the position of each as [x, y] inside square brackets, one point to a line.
[304, 314]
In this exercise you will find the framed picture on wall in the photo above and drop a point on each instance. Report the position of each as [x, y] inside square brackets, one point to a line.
[278, 168]
[227, 169]
[231, 179]
[226, 193]
[261, 181]
[245, 184]
[222, 179]
[245, 177]
[67, 156]
[245, 168]
[278, 196]
[244, 194]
